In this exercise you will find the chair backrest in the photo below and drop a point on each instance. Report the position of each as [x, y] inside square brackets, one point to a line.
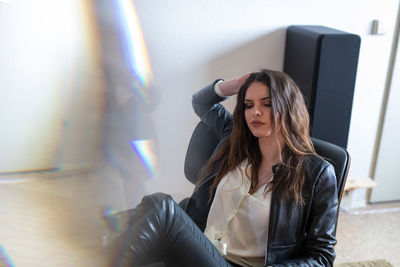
[204, 143]
[338, 157]
[201, 147]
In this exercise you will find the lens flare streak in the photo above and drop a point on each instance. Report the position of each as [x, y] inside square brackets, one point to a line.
[4, 258]
[145, 149]
[135, 46]
[111, 220]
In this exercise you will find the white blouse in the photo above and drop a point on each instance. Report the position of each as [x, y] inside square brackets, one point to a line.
[237, 223]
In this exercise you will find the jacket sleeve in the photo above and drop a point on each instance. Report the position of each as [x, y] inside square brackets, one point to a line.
[206, 105]
[318, 249]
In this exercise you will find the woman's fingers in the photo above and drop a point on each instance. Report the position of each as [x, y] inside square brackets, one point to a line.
[231, 87]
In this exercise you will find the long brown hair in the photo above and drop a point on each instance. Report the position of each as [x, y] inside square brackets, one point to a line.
[288, 105]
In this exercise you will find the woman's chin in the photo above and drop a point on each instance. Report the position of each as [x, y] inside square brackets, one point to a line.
[261, 134]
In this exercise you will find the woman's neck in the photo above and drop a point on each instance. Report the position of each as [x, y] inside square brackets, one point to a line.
[270, 148]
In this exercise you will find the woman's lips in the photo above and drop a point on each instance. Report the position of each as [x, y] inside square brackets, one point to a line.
[257, 123]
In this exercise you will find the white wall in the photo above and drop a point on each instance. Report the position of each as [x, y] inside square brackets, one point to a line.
[190, 43]
[387, 169]
[51, 87]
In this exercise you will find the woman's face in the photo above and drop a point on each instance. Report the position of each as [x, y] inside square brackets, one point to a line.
[258, 110]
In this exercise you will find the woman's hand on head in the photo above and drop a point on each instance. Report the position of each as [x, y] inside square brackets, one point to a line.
[231, 87]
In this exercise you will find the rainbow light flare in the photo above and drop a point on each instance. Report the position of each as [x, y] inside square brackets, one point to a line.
[4, 258]
[135, 47]
[113, 222]
[145, 149]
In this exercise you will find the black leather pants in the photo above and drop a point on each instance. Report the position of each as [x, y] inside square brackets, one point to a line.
[161, 231]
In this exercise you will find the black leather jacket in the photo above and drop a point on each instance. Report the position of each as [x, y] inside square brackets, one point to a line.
[298, 235]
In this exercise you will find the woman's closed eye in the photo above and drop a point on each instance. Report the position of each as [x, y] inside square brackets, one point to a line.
[247, 106]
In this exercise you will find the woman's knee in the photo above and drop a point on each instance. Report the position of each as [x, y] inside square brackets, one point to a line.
[161, 209]
[148, 203]
[156, 198]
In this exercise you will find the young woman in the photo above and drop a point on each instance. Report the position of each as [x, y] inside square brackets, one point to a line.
[265, 199]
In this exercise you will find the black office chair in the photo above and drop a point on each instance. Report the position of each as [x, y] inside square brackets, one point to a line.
[204, 142]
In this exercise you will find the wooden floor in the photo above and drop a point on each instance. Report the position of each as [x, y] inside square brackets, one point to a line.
[369, 233]
[47, 220]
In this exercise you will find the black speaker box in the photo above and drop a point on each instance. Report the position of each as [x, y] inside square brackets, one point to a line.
[323, 62]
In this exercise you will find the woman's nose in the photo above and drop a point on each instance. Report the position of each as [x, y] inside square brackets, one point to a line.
[257, 112]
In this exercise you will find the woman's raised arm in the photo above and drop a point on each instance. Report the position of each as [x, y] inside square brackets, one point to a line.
[206, 104]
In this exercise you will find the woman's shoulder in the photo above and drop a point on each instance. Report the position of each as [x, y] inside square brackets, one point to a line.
[315, 165]
[317, 160]
[320, 176]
